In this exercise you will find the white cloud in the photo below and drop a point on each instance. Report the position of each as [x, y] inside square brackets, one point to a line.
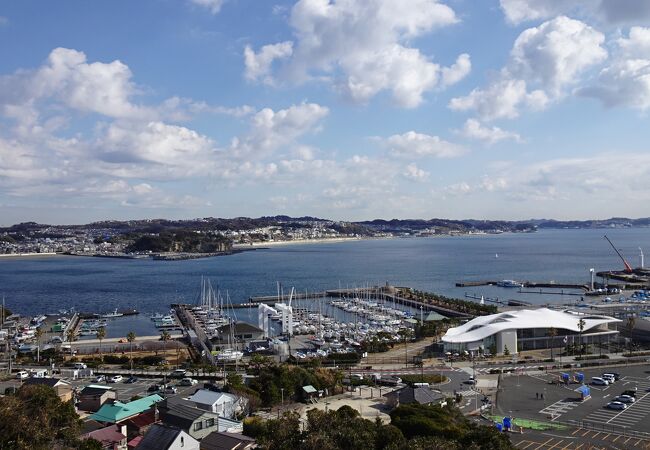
[473, 129]
[606, 11]
[360, 48]
[273, 129]
[214, 6]
[555, 53]
[544, 61]
[412, 145]
[164, 150]
[626, 80]
[456, 72]
[413, 172]
[258, 65]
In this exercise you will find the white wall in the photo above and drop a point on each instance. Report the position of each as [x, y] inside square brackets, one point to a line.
[507, 338]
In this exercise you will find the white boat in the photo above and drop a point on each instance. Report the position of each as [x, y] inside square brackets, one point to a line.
[111, 315]
[509, 284]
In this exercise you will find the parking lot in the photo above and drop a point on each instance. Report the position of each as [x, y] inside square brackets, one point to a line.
[578, 439]
[541, 397]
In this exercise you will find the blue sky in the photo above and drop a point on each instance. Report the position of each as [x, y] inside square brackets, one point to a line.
[346, 109]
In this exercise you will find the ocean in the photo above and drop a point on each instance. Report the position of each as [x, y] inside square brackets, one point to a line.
[49, 284]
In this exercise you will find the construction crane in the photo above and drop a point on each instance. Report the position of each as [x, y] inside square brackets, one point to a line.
[628, 268]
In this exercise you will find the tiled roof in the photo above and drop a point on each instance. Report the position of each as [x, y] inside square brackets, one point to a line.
[118, 411]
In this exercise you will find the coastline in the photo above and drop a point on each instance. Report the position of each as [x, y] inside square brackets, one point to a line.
[27, 255]
[304, 241]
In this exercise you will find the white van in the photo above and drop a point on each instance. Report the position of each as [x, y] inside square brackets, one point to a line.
[598, 381]
[22, 375]
[79, 365]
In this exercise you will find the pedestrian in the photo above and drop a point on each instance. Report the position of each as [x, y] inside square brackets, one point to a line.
[537, 395]
[542, 394]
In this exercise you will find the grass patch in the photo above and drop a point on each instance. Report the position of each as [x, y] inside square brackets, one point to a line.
[532, 424]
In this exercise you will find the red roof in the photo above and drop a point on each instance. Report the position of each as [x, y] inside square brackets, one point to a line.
[133, 443]
[142, 420]
[108, 435]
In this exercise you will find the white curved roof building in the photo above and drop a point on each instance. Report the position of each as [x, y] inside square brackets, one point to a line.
[527, 329]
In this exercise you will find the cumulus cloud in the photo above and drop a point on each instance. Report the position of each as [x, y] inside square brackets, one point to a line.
[473, 129]
[272, 129]
[626, 79]
[214, 6]
[606, 11]
[413, 172]
[544, 61]
[361, 48]
[165, 150]
[258, 65]
[418, 145]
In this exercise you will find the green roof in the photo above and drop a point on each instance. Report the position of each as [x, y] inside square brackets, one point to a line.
[118, 411]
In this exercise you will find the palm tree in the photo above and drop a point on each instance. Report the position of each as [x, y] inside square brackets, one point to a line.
[164, 337]
[630, 324]
[581, 327]
[131, 338]
[552, 332]
[101, 334]
[71, 335]
[38, 334]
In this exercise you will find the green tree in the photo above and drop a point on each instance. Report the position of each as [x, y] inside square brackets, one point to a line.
[552, 333]
[581, 328]
[72, 336]
[164, 337]
[130, 337]
[101, 334]
[35, 418]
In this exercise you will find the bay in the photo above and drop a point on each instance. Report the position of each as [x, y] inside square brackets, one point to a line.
[48, 284]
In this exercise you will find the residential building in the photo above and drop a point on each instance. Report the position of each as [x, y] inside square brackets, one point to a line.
[198, 423]
[162, 437]
[112, 437]
[92, 397]
[528, 329]
[219, 440]
[422, 395]
[222, 403]
[62, 388]
[117, 411]
[242, 332]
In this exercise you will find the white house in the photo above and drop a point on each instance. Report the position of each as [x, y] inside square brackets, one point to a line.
[222, 403]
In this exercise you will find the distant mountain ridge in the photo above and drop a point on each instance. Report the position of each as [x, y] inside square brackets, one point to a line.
[247, 223]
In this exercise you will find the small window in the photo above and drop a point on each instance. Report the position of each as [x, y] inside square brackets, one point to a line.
[198, 426]
[209, 423]
[248, 336]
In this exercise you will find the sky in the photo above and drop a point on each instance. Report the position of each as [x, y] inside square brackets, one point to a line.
[342, 109]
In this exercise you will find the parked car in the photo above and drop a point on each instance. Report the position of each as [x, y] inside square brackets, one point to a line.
[131, 380]
[616, 405]
[22, 375]
[178, 373]
[79, 365]
[614, 376]
[609, 377]
[100, 379]
[154, 388]
[625, 399]
[115, 379]
[631, 392]
[188, 382]
[598, 381]
[170, 390]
